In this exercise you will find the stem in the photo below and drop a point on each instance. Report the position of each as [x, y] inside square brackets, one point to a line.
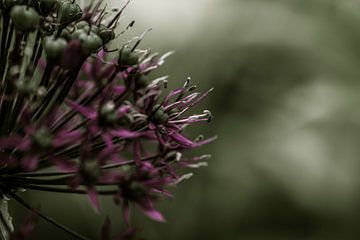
[64, 190]
[48, 219]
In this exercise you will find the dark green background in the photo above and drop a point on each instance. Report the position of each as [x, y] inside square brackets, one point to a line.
[286, 105]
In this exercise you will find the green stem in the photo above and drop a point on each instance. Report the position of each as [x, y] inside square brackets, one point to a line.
[48, 219]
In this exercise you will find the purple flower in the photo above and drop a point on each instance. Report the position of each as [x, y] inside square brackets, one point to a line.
[78, 118]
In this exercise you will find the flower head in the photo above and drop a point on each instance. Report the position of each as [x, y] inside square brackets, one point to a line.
[78, 118]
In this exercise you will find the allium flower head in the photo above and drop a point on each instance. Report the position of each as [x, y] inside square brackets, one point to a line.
[78, 117]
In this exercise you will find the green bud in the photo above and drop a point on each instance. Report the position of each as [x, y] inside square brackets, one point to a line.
[68, 12]
[95, 29]
[159, 116]
[136, 190]
[25, 86]
[66, 34]
[108, 107]
[90, 170]
[76, 34]
[54, 48]
[25, 18]
[127, 57]
[108, 113]
[141, 81]
[82, 25]
[126, 120]
[106, 34]
[91, 42]
[42, 138]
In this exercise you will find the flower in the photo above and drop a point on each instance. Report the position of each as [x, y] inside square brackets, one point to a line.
[95, 122]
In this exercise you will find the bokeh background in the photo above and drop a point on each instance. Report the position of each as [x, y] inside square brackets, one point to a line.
[286, 104]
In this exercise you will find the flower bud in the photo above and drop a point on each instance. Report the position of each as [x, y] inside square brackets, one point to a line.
[25, 18]
[54, 48]
[90, 170]
[25, 86]
[141, 81]
[68, 12]
[108, 114]
[91, 42]
[126, 120]
[106, 34]
[134, 190]
[76, 34]
[159, 116]
[82, 25]
[66, 34]
[42, 138]
[127, 57]
[95, 29]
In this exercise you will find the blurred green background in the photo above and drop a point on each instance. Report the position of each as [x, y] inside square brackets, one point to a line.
[287, 90]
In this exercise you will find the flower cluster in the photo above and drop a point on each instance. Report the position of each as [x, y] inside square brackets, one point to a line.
[78, 118]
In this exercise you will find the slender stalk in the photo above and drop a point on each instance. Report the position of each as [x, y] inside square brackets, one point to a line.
[48, 219]
[106, 167]
[69, 191]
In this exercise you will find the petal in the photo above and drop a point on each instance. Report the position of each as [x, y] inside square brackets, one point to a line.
[172, 94]
[106, 71]
[126, 134]
[181, 139]
[85, 111]
[123, 110]
[93, 197]
[148, 209]
[30, 162]
[66, 137]
[10, 142]
[126, 212]
[119, 89]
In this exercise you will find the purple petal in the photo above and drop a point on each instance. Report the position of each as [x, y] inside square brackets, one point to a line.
[85, 111]
[72, 55]
[87, 69]
[10, 142]
[93, 196]
[172, 94]
[119, 89]
[148, 209]
[123, 110]
[110, 177]
[126, 134]
[106, 71]
[25, 144]
[204, 142]
[66, 137]
[30, 162]
[181, 139]
[126, 211]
